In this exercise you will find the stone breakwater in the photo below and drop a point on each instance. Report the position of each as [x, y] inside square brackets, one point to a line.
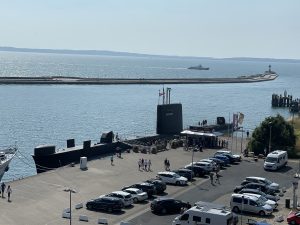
[112, 81]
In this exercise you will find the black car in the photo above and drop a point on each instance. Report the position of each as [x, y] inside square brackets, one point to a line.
[260, 187]
[167, 205]
[145, 186]
[189, 174]
[198, 171]
[159, 185]
[105, 203]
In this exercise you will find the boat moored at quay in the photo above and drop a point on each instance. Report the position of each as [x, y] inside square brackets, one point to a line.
[6, 155]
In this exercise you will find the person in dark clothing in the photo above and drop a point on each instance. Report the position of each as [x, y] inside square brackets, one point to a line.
[3, 186]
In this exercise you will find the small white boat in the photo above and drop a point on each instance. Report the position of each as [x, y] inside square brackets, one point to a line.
[6, 155]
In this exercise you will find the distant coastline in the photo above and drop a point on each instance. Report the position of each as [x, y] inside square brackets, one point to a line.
[128, 54]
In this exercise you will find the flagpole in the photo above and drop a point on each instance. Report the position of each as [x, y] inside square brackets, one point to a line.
[232, 131]
[163, 95]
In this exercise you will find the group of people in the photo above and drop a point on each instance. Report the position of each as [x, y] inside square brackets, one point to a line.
[167, 164]
[144, 164]
[8, 191]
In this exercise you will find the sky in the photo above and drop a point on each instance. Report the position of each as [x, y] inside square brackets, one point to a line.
[205, 28]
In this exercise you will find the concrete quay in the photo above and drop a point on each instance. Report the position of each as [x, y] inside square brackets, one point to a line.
[115, 81]
[41, 199]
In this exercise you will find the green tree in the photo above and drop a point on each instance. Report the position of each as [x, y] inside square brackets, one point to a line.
[282, 136]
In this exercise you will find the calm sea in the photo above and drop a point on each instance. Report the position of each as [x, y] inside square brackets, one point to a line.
[36, 114]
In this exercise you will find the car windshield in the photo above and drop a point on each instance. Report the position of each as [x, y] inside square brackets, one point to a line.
[268, 181]
[260, 202]
[262, 198]
[176, 175]
[271, 159]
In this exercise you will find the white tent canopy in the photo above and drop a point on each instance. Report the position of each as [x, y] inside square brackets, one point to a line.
[195, 133]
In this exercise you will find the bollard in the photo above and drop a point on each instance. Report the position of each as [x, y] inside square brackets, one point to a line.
[287, 203]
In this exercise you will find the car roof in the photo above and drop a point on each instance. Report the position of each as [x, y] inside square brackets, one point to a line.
[132, 189]
[166, 172]
[258, 184]
[257, 178]
[120, 193]
[164, 199]
[245, 196]
[145, 183]
[109, 198]
[251, 190]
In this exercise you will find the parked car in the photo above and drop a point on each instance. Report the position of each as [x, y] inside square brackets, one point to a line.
[223, 158]
[172, 178]
[249, 204]
[273, 204]
[167, 205]
[206, 215]
[204, 165]
[198, 171]
[219, 162]
[144, 186]
[137, 194]
[124, 196]
[211, 162]
[160, 186]
[253, 222]
[275, 160]
[232, 157]
[105, 203]
[265, 181]
[188, 174]
[259, 192]
[293, 218]
[258, 186]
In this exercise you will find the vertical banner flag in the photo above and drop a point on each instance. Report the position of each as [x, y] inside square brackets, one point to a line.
[241, 118]
[235, 121]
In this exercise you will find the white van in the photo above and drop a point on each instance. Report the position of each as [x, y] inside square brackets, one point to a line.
[247, 203]
[206, 215]
[275, 160]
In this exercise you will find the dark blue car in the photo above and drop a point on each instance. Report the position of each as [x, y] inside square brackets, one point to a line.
[223, 158]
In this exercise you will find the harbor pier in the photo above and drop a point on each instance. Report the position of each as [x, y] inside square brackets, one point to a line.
[286, 101]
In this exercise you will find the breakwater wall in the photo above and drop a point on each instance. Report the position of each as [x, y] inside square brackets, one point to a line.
[113, 81]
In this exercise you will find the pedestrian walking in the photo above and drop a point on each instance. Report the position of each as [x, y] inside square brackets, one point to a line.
[9, 191]
[112, 160]
[218, 177]
[166, 163]
[145, 164]
[140, 163]
[149, 165]
[211, 177]
[3, 186]
[143, 161]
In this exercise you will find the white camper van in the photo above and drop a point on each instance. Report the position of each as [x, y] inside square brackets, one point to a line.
[206, 215]
[275, 160]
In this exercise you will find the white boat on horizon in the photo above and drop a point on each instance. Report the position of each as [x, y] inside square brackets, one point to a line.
[6, 155]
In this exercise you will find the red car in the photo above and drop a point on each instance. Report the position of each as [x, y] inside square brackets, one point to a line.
[293, 218]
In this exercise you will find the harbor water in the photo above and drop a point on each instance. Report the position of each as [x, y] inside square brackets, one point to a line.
[32, 115]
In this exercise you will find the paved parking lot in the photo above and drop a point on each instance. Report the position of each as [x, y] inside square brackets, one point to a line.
[44, 198]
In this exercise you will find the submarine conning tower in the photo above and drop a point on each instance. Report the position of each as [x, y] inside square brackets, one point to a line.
[169, 116]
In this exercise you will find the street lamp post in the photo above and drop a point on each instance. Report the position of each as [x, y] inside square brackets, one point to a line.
[270, 137]
[242, 139]
[70, 190]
